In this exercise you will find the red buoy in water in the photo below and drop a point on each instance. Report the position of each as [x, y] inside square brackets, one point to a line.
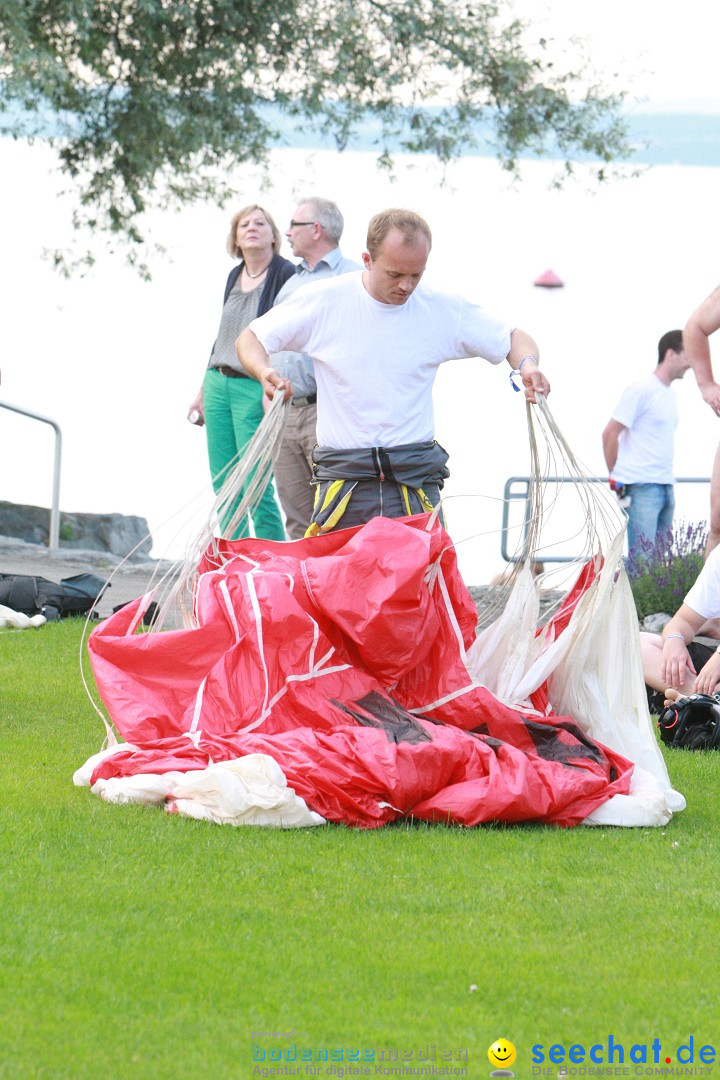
[549, 280]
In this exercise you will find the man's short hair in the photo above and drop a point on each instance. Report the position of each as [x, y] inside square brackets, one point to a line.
[326, 213]
[672, 340]
[410, 224]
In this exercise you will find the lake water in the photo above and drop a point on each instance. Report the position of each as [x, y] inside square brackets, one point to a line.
[116, 361]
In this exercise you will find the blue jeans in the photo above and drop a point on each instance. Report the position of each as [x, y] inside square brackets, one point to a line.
[650, 513]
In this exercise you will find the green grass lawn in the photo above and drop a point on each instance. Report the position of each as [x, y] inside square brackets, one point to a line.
[137, 944]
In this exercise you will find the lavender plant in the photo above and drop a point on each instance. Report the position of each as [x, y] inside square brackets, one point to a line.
[662, 571]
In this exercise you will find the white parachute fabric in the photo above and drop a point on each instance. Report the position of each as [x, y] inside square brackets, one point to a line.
[594, 668]
[251, 790]
[508, 649]
[645, 804]
[594, 674]
[18, 620]
[600, 681]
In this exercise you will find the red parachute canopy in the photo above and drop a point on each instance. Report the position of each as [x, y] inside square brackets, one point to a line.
[342, 657]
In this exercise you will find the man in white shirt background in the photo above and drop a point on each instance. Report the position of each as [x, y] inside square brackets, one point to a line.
[638, 444]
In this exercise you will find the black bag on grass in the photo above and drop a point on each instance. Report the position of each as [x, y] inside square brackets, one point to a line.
[30, 595]
[81, 593]
[692, 722]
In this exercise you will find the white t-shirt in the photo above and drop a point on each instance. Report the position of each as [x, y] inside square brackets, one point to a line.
[375, 363]
[648, 410]
[704, 596]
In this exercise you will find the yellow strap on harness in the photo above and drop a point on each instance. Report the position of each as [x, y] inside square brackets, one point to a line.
[335, 498]
[426, 504]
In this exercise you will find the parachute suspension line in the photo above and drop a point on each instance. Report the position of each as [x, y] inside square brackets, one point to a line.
[543, 497]
[251, 471]
[530, 537]
[240, 493]
[245, 483]
[600, 517]
[535, 493]
[604, 517]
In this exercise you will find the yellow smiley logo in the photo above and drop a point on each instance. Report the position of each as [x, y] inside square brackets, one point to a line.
[502, 1053]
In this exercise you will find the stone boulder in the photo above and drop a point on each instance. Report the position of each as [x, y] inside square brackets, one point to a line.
[115, 533]
[654, 624]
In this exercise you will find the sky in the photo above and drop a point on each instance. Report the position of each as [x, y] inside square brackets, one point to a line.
[661, 52]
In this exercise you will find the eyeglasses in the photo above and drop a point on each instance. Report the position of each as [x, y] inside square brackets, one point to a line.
[294, 224]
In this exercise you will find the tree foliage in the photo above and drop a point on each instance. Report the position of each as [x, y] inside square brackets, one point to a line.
[155, 101]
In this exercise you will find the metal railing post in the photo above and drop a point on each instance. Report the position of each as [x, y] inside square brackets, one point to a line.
[511, 494]
[54, 538]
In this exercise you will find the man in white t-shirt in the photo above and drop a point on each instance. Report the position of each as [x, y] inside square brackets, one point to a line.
[314, 235]
[377, 339]
[638, 444]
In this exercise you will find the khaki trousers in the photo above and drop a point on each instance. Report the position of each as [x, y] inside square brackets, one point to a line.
[292, 466]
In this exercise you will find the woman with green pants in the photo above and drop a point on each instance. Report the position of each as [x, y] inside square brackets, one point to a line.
[230, 402]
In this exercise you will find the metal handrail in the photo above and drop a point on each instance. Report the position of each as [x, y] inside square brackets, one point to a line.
[514, 496]
[54, 538]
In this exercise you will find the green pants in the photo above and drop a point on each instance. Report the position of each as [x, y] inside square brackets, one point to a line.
[233, 410]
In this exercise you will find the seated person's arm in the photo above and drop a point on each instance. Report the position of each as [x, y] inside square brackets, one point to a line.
[678, 633]
[709, 677]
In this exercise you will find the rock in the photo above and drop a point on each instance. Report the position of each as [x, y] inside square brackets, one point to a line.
[655, 623]
[117, 534]
[490, 600]
[128, 578]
